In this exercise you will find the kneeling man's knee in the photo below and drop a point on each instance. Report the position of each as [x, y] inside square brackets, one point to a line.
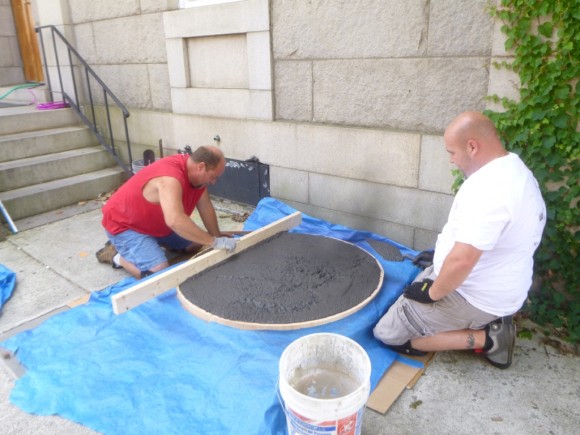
[390, 330]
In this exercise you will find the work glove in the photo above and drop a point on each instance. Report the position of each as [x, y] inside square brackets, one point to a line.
[424, 259]
[226, 243]
[419, 291]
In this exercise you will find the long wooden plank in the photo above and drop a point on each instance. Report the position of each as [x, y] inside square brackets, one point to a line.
[150, 288]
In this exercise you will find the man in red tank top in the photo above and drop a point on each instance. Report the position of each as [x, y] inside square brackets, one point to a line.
[153, 208]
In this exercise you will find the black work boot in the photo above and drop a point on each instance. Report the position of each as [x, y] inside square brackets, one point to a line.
[106, 255]
[503, 335]
[406, 349]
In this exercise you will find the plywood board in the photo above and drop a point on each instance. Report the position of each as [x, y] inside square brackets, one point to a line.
[150, 288]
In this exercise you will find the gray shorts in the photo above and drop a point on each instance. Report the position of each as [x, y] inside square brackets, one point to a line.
[408, 319]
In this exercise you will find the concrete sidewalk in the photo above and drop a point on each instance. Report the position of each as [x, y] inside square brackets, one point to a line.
[460, 393]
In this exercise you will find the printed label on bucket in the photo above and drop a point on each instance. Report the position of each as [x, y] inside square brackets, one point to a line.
[301, 425]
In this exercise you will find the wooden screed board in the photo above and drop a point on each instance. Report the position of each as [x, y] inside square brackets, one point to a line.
[154, 286]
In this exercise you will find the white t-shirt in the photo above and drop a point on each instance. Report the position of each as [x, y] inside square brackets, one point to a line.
[499, 209]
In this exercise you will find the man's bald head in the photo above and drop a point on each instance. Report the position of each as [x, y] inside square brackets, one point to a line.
[473, 125]
[472, 141]
[205, 165]
[211, 155]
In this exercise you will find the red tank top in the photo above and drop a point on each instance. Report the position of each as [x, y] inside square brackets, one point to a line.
[127, 209]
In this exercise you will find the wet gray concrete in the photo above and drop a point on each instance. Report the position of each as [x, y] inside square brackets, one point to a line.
[290, 278]
[386, 250]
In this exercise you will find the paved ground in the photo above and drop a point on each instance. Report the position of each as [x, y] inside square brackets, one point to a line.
[53, 257]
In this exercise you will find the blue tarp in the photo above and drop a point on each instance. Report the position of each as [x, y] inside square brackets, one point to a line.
[7, 284]
[159, 369]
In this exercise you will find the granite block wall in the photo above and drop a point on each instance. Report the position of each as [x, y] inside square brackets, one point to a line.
[346, 100]
[398, 64]
[11, 72]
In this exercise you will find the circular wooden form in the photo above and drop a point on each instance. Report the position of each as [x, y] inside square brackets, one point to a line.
[290, 281]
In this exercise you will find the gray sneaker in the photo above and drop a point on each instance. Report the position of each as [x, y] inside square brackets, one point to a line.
[503, 334]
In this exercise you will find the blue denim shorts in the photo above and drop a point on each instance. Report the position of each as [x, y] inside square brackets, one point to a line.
[145, 251]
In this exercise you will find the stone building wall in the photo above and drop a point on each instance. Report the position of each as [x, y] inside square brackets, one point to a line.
[11, 72]
[399, 64]
[124, 42]
[346, 100]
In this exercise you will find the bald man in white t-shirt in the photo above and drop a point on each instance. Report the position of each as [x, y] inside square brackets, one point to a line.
[483, 261]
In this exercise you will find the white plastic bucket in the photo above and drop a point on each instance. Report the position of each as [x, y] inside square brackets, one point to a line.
[324, 384]
[137, 165]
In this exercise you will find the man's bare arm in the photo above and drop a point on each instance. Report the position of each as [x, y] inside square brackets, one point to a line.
[169, 194]
[208, 214]
[457, 266]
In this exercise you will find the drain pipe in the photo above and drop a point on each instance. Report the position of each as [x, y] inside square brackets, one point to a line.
[8, 218]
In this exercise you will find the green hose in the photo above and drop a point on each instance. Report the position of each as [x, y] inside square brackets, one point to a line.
[15, 88]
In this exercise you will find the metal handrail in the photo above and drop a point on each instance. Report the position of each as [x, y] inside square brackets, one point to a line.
[107, 143]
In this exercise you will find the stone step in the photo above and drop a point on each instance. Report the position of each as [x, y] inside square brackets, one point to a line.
[23, 94]
[29, 118]
[39, 198]
[41, 169]
[40, 142]
[50, 160]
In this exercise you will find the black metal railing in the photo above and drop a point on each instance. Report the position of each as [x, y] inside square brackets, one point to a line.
[83, 95]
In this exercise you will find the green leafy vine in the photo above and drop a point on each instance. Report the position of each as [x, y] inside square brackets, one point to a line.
[543, 127]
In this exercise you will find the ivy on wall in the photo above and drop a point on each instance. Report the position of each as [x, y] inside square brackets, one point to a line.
[543, 127]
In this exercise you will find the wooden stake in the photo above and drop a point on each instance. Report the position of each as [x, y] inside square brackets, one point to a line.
[150, 288]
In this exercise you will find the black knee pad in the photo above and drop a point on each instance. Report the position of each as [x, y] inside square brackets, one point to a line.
[146, 273]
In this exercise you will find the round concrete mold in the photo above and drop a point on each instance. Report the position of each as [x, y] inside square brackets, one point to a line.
[289, 281]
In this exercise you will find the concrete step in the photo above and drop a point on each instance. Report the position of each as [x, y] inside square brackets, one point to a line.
[29, 118]
[39, 198]
[50, 160]
[36, 143]
[41, 169]
[23, 94]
